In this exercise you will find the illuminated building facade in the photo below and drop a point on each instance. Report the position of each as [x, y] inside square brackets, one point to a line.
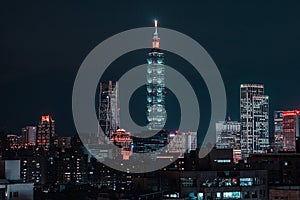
[290, 129]
[278, 136]
[182, 142]
[29, 135]
[31, 169]
[73, 167]
[122, 139]
[109, 107]
[254, 114]
[156, 113]
[45, 132]
[229, 137]
[250, 184]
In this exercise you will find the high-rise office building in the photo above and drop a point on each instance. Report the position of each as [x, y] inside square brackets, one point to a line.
[290, 129]
[45, 132]
[278, 136]
[156, 113]
[228, 136]
[182, 142]
[29, 135]
[254, 116]
[109, 107]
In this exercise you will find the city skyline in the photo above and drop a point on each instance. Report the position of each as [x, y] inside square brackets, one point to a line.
[212, 90]
[269, 47]
[229, 118]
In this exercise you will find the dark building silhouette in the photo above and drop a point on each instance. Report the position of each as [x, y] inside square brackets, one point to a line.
[153, 143]
[283, 168]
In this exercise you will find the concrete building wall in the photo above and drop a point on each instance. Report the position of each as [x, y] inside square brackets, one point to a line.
[12, 169]
[20, 191]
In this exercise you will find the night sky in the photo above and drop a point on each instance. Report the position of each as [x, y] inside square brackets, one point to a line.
[42, 45]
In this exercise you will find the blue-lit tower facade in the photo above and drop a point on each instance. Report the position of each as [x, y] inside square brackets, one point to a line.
[156, 112]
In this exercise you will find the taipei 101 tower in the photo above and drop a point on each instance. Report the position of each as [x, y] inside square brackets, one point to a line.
[156, 113]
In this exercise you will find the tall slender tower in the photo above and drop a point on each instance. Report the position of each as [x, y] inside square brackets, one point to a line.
[109, 107]
[254, 113]
[156, 113]
[278, 131]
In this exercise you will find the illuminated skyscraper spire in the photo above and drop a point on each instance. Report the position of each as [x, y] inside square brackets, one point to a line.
[155, 39]
[156, 113]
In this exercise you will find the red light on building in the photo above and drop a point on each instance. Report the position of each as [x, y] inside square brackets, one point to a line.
[122, 138]
[46, 118]
[38, 141]
[289, 113]
[290, 129]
